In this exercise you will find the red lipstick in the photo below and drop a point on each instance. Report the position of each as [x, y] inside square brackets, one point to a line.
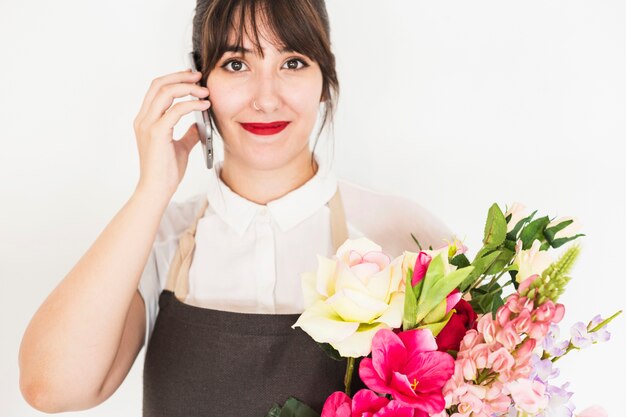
[265, 128]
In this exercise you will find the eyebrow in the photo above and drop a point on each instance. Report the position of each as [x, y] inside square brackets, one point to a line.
[237, 48]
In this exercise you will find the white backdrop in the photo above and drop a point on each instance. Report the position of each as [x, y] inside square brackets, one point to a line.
[454, 104]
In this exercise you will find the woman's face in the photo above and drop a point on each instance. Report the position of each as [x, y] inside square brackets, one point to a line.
[285, 85]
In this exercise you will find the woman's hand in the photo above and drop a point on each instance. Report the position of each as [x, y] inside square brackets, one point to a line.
[163, 160]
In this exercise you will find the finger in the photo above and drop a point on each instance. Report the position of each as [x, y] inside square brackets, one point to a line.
[157, 83]
[190, 138]
[165, 97]
[177, 111]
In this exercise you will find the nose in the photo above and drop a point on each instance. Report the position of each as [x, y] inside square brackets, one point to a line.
[266, 93]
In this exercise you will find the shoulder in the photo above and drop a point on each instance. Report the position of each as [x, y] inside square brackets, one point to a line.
[178, 216]
[390, 219]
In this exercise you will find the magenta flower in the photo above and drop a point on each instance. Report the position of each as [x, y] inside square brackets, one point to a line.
[408, 366]
[421, 266]
[365, 403]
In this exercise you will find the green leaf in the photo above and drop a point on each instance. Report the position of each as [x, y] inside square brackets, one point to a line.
[437, 327]
[487, 298]
[437, 313]
[550, 232]
[460, 261]
[501, 261]
[416, 241]
[331, 351]
[274, 412]
[480, 266]
[438, 288]
[512, 235]
[296, 408]
[533, 231]
[495, 227]
[410, 304]
[563, 240]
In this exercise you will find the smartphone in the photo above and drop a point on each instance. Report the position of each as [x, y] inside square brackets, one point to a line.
[202, 120]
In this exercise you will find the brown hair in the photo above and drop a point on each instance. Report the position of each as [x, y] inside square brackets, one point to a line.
[301, 25]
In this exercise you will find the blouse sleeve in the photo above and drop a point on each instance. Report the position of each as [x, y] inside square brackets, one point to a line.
[150, 289]
[389, 220]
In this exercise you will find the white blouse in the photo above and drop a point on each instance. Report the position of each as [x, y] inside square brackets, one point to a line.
[249, 257]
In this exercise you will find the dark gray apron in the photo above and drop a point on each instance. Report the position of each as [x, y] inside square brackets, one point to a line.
[206, 362]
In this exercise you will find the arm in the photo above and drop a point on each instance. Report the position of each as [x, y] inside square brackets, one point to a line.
[82, 341]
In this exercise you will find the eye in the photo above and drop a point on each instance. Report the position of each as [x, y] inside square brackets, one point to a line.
[236, 65]
[296, 60]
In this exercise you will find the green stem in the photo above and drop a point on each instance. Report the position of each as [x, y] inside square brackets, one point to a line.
[348, 379]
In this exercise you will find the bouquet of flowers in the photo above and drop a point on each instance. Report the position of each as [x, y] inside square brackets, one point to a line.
[436, 334]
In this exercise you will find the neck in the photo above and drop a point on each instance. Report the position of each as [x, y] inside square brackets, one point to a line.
[263, 186]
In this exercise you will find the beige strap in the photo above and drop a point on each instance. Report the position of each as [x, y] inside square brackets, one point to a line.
[179, 267]
[178, 274]
[338, 225]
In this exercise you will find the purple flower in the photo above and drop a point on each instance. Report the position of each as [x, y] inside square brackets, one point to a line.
[581, 338]
[559, 404]
[552, 345]
[543, 369]
[600, 335]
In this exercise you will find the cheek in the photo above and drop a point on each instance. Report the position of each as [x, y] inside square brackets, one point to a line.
[225, 102]
[306, 99]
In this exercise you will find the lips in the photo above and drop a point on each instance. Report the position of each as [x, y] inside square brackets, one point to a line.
[265, 128]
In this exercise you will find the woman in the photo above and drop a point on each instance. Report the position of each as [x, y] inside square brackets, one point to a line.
[211, 285]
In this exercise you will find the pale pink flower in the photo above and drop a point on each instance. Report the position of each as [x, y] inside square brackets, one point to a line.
[526, 283]
[487, 328]
[529, 396]
[508, 337]
[531, 261]
[517, 212]
[480, 354]
[516, 304]
[501, 360]
[538, 331]
[471, 339]
[468, 367]
[522, 322]
[593, 411]
[549, 312]
[503, 316]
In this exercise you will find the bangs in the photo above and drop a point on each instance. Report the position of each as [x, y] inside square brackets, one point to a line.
[288, 26]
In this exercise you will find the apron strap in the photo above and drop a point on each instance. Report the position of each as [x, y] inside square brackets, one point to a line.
[182, 258]
[178, 274]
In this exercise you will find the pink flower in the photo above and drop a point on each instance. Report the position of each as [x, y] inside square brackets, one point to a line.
[593, 411]
[508, 336]
[479, 354]
[487, 328]
[525, 284]
[501, 360]
[522, 322]
[471, 339]
[365, 403]
[549, 312]
[529, 396]
[408, 366]
[421, 266]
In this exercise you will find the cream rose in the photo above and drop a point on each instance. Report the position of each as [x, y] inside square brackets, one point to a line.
[352, 296]
[530, 262]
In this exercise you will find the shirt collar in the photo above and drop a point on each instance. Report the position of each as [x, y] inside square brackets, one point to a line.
[287, 211]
